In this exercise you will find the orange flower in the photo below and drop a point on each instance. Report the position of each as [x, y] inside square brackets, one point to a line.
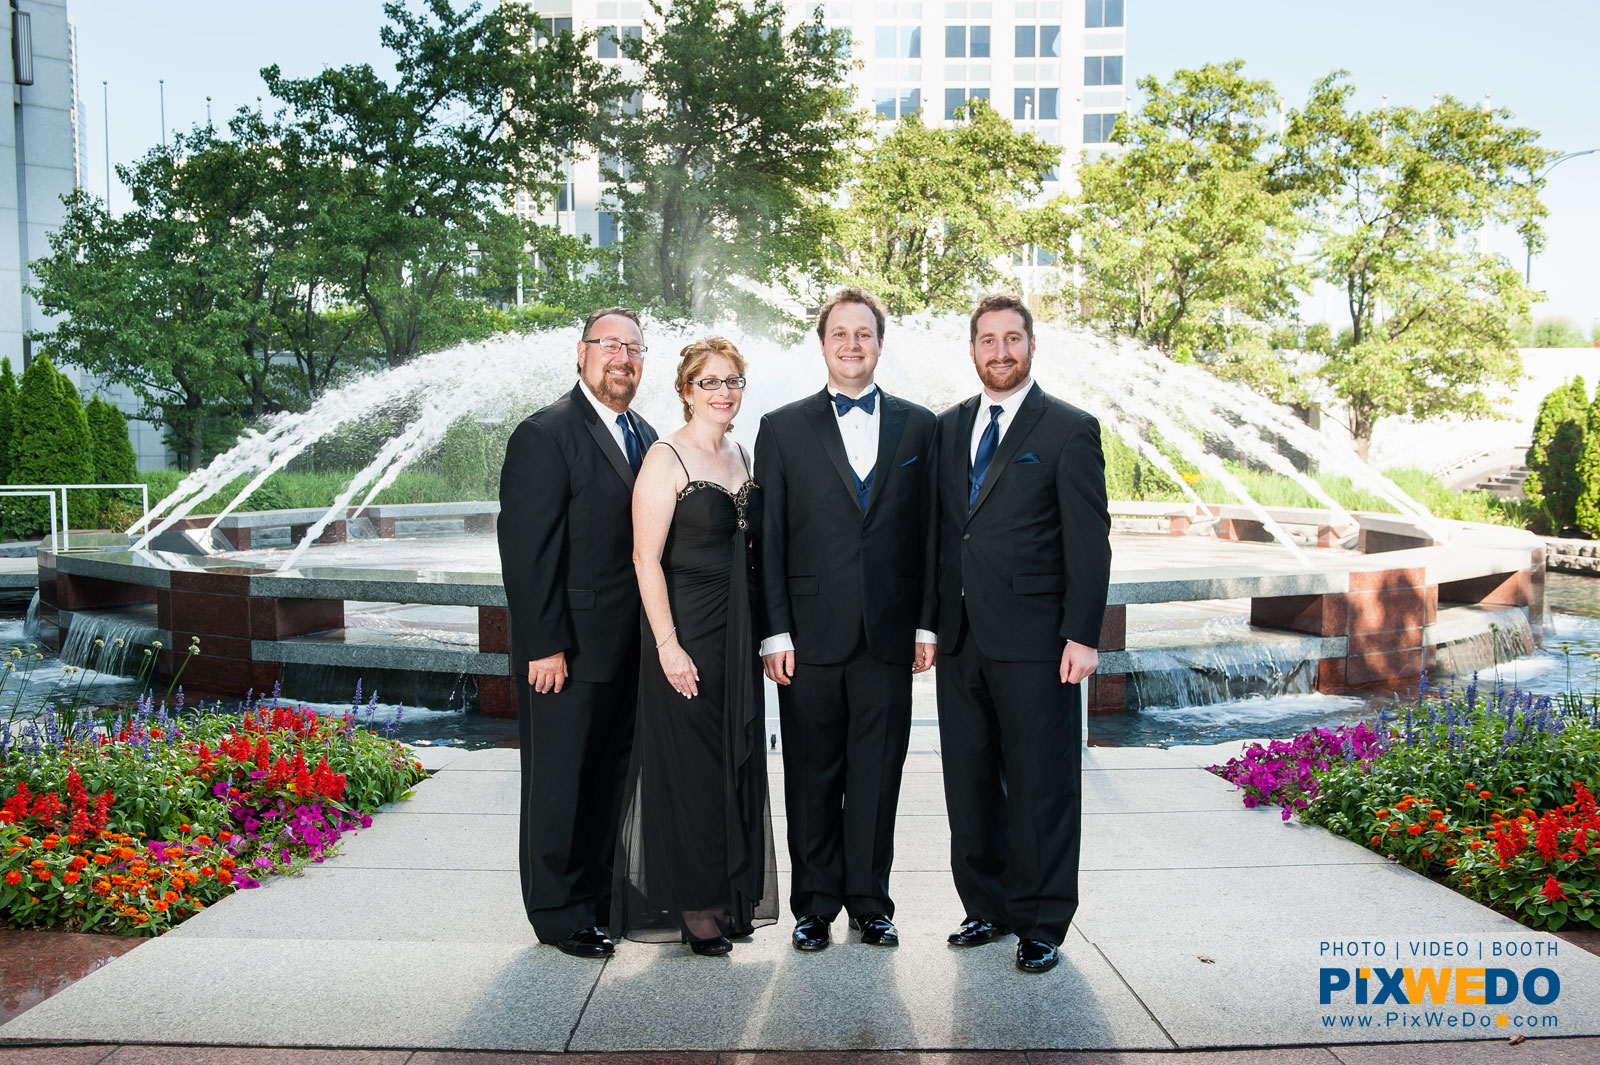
[1483, 795]
[74, 839]
[159, 904]
[1374, 840]
[70, 878]
[1436, 815]
[171, 896]
[1476, 844]
[1383, 812]
[1470, 784]
[1440, 826]
[1414, 830]
[13, 877]
[42, 874]
[78, 862]
[1518, 790]
[224, 836]
[1529, 814]
[204, 841]
[224, 876]
[25, 840]
[185, 828]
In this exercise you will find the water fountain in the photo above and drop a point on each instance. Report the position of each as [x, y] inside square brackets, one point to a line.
[1312, 618]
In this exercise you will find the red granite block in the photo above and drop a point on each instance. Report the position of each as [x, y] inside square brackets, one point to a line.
[333, 533]
[1113, 630]
[1430, 604]
[1108, 693]
[216, 615]
[496, 696]
[239, 538]
[1375, 580]
[1328, 536]
[1330, 675]
[277, 619]
[211, 582]
[1494, 589]
[1373, 542]
[220, 676]
[481, 523]
[1393, 608]
[1243, 530]
[1318, 615]
[163, 608]
[385, 527]
[1363, 643]
[214, 646]
[263, 675]
[1178, 525]
[1389, 667]
[77, 592]
[493, 636]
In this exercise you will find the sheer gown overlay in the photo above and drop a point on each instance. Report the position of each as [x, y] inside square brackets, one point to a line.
[696, 832]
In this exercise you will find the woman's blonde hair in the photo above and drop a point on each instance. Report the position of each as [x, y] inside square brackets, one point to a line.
[693, 359]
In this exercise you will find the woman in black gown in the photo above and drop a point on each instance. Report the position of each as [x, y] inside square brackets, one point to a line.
[695, 854]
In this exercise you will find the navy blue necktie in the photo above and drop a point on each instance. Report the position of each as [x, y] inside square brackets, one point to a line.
[842, 403]
[630, 443]
[988, 443]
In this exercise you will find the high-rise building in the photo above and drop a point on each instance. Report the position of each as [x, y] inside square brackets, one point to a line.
[1056, 68]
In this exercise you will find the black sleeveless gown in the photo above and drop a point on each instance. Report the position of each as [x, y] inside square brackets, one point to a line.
[697, 826]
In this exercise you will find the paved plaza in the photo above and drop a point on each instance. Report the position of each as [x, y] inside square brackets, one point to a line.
[1201, 926]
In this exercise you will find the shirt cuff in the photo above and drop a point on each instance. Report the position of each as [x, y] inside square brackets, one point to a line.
[924, 636]
[775, 644]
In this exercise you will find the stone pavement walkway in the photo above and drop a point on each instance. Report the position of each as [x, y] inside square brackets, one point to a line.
[1203, 925]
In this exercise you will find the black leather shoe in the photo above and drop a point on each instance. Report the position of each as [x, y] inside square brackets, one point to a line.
[587, 943]
[811, 933]
[715, 947]
[876, 930]
[1037, 956]
[975, 932]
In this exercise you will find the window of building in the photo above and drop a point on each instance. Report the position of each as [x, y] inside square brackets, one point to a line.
[960, 41]
[910, 102]
[1098, 14]
[1097, 127]
[564, 199]
[899, 42]
[608, 229]
[897, 103]
[884, 102]
[607, 38]
[955, 100]
[1037, 104]
[1102, 70]
[1041, 41]
[559, 26]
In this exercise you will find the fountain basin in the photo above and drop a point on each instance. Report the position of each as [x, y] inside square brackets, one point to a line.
[427, 614]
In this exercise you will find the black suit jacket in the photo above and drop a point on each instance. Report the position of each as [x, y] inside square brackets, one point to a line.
[1033, 555]
[566, 541]
[828, 569]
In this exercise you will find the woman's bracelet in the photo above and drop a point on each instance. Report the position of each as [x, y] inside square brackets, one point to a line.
[667, 637]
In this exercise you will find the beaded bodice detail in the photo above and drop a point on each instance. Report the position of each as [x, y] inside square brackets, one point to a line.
[741, 498]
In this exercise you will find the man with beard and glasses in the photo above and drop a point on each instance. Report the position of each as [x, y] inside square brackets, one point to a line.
[1023, 562]
[566, 553]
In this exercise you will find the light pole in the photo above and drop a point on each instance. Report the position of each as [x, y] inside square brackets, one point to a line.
[162, 83]
[1527, 273]
[105, 110]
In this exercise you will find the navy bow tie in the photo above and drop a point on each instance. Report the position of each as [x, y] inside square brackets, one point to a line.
[842, 403]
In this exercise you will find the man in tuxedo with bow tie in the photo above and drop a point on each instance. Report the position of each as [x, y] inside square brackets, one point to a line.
[1024, 559]
[847, 512]
[566, 554]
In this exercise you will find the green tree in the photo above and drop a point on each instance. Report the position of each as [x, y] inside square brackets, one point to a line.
[51, 444]
[1405, 191]
[931, 210]
[426, 163]
[461, 459]
[724, 152]
[1586, 509]
[1187, 234]
[114, 460]
[8, 416]
[1559, 430]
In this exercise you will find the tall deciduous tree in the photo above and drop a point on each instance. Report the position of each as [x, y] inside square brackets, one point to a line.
[1405, 192]
[930, 211]
[1186, 235]
[427, 162]
[723, 153]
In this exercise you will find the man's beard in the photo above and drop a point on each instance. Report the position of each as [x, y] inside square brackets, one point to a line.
[1005, 380]
[618, 388]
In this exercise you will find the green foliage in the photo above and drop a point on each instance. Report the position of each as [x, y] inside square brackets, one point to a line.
[1550, 333]
[1586, 508]
[8, 416]
[1403, 193]
[461, 460]
[52, 444]
[930, 209]
[1187, 233]
[294, 491]
[724, 152]
[114, 463]
[1554, 486]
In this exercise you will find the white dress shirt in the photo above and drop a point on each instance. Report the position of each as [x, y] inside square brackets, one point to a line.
[1008, 413]
[859, 432]
[608, 418]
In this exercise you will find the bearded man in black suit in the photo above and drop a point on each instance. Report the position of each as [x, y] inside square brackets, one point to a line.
[847, 508]
[1024, 559]
[566, 553]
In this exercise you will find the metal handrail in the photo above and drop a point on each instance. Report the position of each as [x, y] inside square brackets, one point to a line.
[144, 497]
[48, 494]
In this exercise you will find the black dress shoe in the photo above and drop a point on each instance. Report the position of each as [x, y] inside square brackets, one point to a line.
[975, 932]
[811, 933]
[714, 947]
[587, 943]
[1037, 956]
[876, 930]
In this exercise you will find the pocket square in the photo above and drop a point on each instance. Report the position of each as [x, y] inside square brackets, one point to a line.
[910, 460]
[1026, 457]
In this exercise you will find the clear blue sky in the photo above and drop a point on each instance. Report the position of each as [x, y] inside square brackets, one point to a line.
[1538, 58]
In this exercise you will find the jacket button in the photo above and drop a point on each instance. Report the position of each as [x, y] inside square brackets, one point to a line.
[968, 536]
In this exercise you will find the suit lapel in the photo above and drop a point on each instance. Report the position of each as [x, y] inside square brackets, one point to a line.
[1028, 415]
[603, 438]
[891, 425]
[825, 423]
